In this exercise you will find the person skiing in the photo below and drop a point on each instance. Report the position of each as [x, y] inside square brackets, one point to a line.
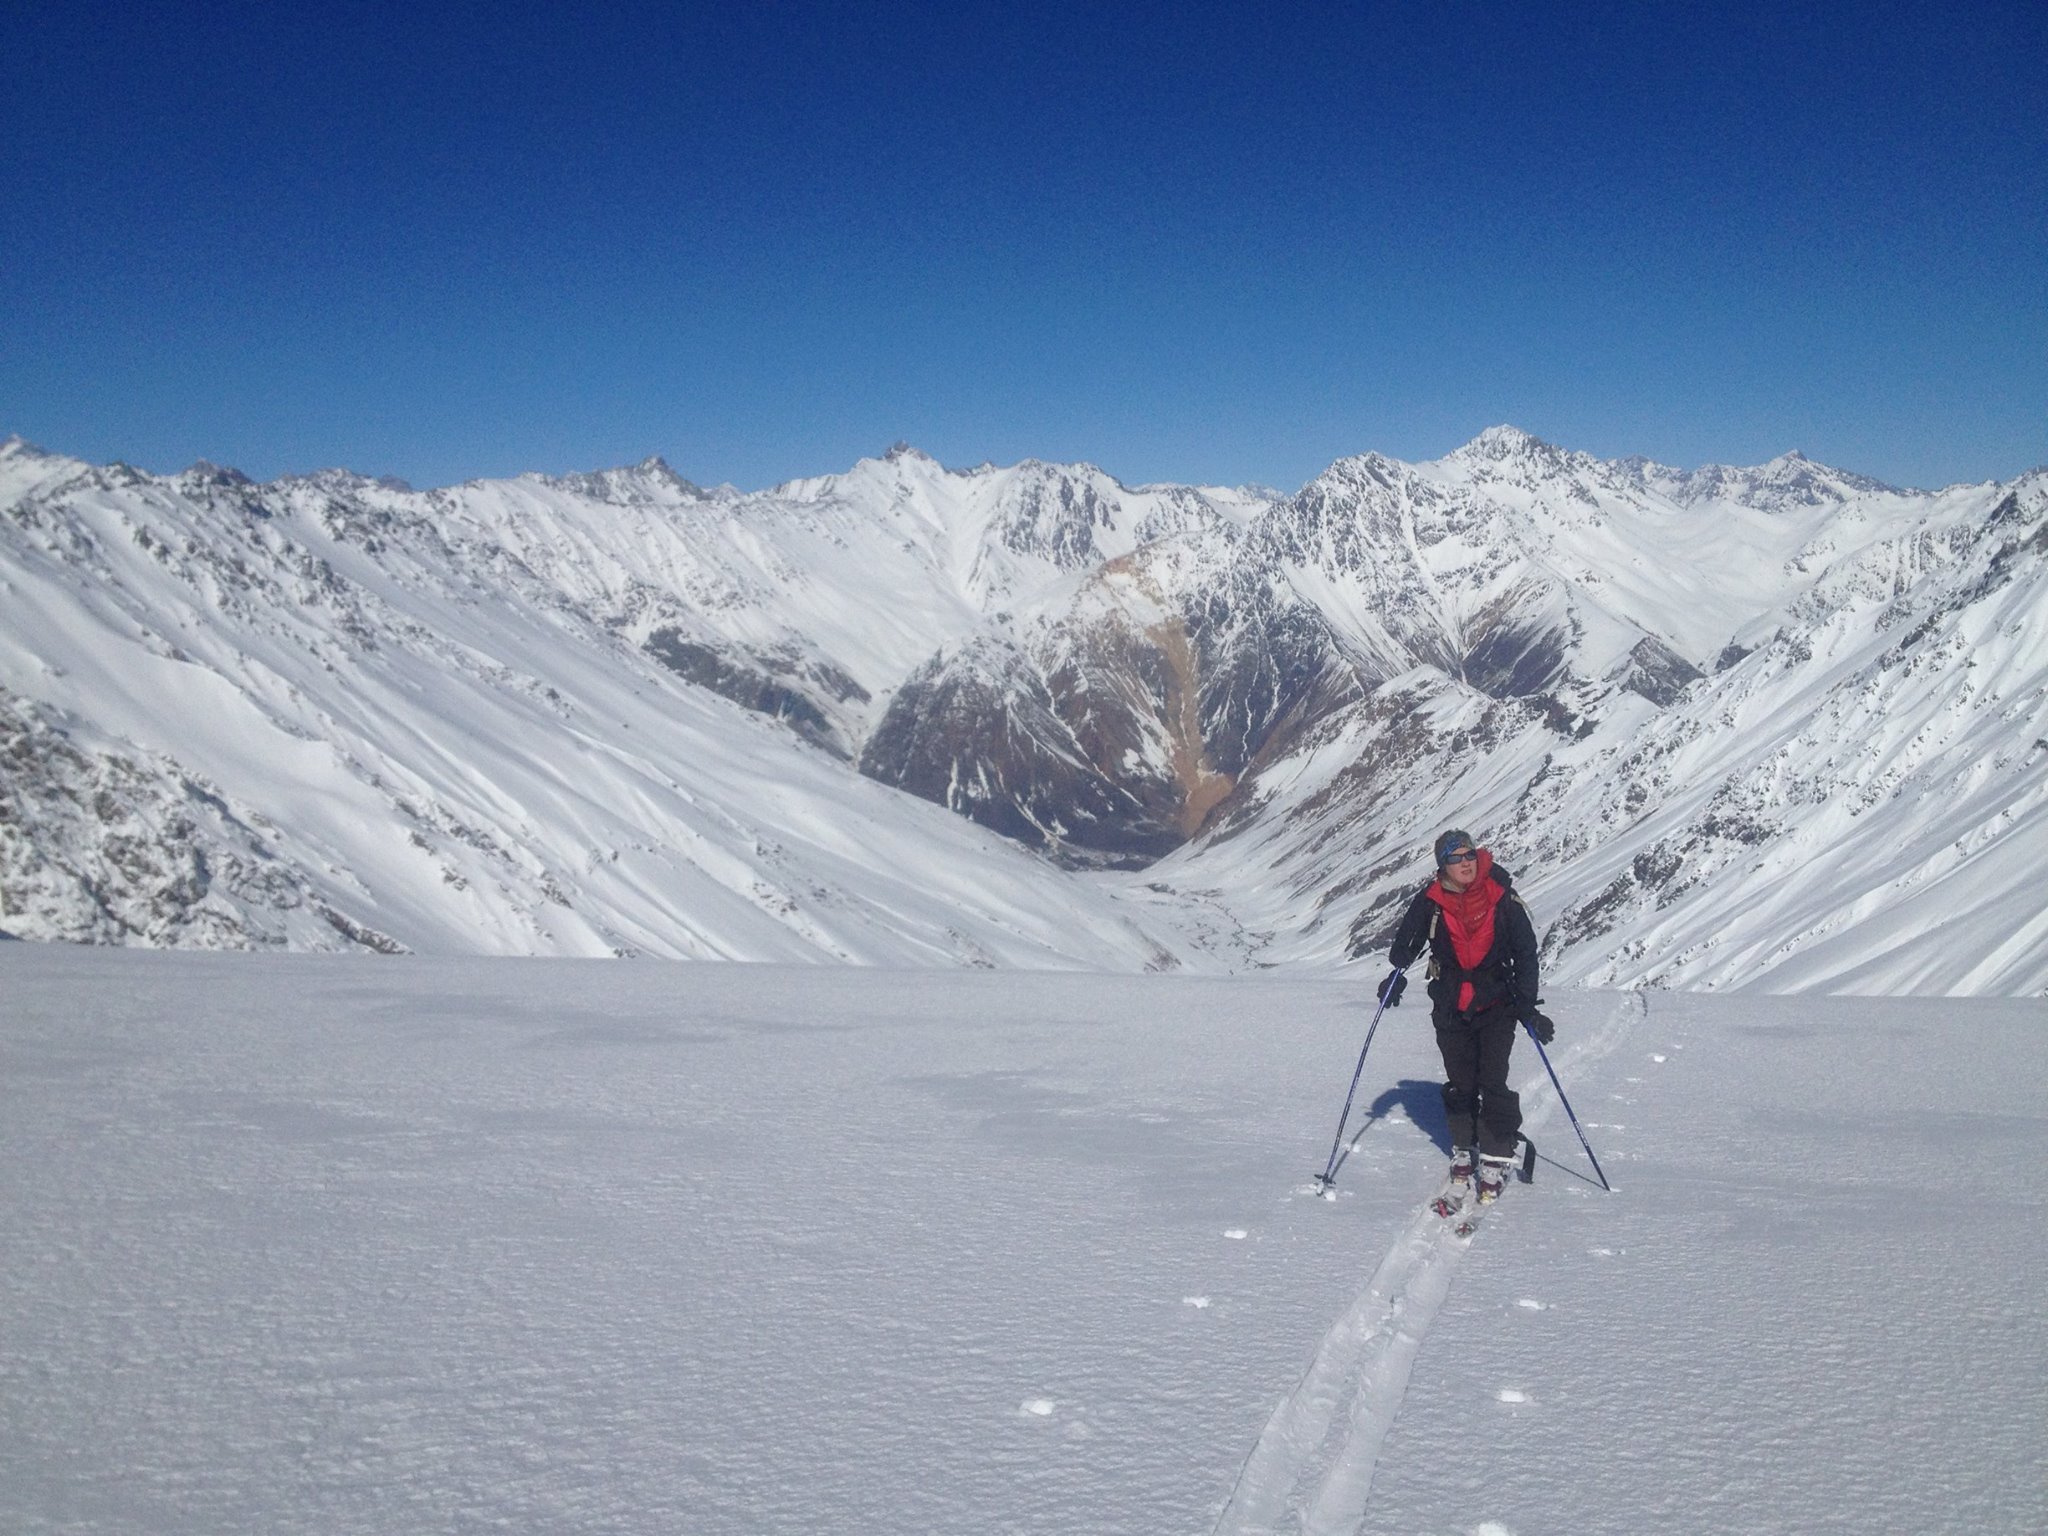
[1482, 983]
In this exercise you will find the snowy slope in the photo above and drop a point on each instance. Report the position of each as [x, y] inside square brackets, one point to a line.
[833, 588]
[1580, 560]
[234, 722]
[306, 1243]
[1776, 727]
[1856, 800]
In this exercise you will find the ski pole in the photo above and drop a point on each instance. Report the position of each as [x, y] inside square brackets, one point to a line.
[1329, 1174]
[1567, 1103]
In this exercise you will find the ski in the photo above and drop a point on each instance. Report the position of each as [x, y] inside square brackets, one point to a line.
[1468, 1220]
[1463, 1201]
[1455, 1197]
[1462, 1212]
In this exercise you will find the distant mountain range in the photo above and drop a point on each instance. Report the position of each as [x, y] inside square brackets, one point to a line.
[1780, 726]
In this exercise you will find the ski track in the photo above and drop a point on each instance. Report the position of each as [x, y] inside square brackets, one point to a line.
[1311, 1470]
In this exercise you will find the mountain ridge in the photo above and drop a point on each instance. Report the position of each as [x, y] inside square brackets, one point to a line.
[1184, 683]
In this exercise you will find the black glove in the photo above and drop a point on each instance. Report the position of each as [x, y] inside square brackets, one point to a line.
[1391, 989]
[1540, 1026]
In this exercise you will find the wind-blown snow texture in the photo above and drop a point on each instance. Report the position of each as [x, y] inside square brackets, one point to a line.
[302, 1243]
[1779, 727]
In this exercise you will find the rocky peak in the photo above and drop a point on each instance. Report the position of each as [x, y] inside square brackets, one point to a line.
[649, 482]
[204, 472]
[1506, 442]
[1788, 481]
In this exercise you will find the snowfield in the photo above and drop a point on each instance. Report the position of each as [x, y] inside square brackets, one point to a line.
[322, 1244]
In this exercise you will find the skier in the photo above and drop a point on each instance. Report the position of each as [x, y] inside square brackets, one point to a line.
[1482, 983]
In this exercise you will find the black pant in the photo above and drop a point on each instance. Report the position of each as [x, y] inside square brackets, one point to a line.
[1480, 1105]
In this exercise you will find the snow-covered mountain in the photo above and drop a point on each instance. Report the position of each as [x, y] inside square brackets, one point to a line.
[1794, 740]
[329, 713]
[1780, 726]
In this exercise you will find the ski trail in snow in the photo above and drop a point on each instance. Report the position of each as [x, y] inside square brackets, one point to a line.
[1311, 1470]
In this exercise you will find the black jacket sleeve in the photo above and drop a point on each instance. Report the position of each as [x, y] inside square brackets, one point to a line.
[1412, 937]
[1517, 937]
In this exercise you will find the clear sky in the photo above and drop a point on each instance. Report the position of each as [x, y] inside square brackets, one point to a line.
[1223, 243]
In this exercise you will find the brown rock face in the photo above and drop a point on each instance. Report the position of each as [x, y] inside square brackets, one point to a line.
[1109, 732]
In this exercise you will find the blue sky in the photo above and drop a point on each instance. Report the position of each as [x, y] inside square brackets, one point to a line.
[1222, 243]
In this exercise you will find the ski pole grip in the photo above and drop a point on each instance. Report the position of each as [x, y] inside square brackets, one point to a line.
[1392, 984]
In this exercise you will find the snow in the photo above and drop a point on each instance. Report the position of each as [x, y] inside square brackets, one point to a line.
[346, 713]
[403, 774]
[1857, 806]
[320, 1243]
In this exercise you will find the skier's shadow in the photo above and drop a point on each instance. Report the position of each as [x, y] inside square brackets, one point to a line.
[1420, 1103]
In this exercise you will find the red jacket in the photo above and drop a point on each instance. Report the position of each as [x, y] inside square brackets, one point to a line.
[1482, 942]
[1468, 919]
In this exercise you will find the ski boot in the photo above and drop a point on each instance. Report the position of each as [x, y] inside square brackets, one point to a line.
[1457, 1188]
[1493, 1177]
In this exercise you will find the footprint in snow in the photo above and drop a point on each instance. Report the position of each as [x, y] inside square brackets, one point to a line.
[1489, 1528]
[1531, 1304]
[1197, 1302]
[1236, 1234]
[1659, 1059]
[1037, 1407]
[1511, 1395]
